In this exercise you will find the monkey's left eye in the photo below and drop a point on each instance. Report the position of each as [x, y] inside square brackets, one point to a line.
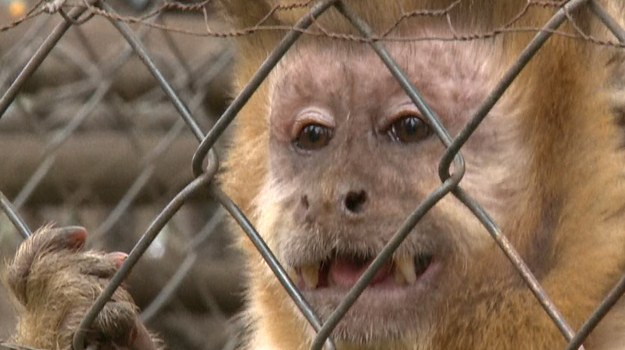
[409, 129]
[313, 137]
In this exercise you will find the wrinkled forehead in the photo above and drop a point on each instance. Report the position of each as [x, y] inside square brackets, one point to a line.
[329, 67]
[312, 70]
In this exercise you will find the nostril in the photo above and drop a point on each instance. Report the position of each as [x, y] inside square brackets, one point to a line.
[354, 201]
[304, 202]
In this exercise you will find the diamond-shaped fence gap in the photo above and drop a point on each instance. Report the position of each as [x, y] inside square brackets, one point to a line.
[463, 136]
[447, 186]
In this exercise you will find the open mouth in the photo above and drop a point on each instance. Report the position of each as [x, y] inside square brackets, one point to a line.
[344, 270]
[401, 295]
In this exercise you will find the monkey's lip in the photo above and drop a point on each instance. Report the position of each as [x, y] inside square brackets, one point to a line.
[343, 271]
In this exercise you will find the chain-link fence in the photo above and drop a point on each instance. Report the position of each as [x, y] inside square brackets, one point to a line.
[101, 124]
[93, 107]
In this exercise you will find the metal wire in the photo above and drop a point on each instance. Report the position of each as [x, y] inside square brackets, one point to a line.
[263, 71]
[142, 53]
[79, 118]
[153, 230]
[609, 22]
[205, 153]
[11, 213]
[172, 285]
[606, 305]
[490, 101]
[271, 260]
[37, 59]
[141, 181]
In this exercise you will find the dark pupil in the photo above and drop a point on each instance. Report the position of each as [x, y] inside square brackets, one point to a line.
[410, 129]
[313, 137]
[313, 133]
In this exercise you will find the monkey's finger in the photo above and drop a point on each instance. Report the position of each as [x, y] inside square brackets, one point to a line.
[45, 240]
[69, 237]
[139, 339]
[49, 239]
[100, 265]
[117, 258]
[118, 324]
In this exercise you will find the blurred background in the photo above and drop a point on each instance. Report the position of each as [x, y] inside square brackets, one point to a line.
[92, 140]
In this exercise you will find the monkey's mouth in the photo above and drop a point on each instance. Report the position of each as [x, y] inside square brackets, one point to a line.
[343, 271]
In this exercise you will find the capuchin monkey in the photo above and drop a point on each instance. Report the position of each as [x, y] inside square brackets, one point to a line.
[330, 156]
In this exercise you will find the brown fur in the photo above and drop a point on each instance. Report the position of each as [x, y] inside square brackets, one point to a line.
[558, 196]
[55, 283]
[546, 164]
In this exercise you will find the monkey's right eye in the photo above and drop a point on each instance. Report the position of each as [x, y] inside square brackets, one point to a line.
[313, 137]
[408, 129]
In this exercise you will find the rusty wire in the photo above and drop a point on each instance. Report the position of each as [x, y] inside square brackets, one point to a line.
[205, 162]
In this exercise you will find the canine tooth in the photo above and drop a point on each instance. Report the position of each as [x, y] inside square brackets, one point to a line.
[399, 277]
[406, 266]
[293, 275]
[310, 274]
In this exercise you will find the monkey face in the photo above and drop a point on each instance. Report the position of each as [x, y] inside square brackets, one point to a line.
[350, 158]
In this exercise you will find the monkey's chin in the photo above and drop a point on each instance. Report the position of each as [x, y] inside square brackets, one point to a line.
[399, 301]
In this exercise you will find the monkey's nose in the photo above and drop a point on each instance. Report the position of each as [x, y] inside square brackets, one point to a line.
[354, 201]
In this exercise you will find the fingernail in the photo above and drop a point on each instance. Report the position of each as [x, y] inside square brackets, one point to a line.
[75, 235]
[118, 258]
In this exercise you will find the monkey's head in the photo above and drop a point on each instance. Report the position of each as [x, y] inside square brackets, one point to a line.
[331, 157]
[350, 157]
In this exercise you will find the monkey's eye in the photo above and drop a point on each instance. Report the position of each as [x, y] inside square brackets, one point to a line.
[313, 137]
[409, 129]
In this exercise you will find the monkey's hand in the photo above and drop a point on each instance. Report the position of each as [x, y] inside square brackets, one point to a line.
[56, 282]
